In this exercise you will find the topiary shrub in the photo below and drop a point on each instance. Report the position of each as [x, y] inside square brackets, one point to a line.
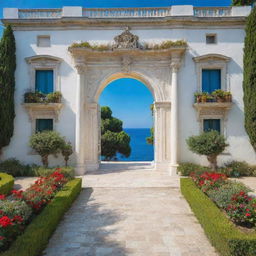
[67, 151]
[47, 143]
[210, 144]
[185, 169]
[222, 196]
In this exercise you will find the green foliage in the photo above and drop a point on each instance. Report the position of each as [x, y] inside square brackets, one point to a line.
[37, 234]
[7, 86]
[47, 143]
[68, 172]
[6, 183]
[165, 45]
[67, 151]
[224, 236]
[12, 208]
[113, 139]
[185, 169]
[222, 196]
[15, 168]
[38, 97]
[210, 144]
[242, 2]
[95, 47]
[150, 140]
[249, 83]
[237, 169]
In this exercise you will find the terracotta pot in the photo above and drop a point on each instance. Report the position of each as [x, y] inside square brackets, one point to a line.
[198, 99]
[220, 99]
[204, 99]
[228, 98]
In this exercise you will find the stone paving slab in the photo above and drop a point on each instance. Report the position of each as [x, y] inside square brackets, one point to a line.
[23, 182]
[118, 221]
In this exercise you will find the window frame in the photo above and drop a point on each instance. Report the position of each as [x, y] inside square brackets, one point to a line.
[53, 123]
[44, 62]
[43, 37]
[215, 38]
[213, 61]
[221, 131]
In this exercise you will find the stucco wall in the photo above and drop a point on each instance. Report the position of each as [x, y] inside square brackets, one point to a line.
[230, 43]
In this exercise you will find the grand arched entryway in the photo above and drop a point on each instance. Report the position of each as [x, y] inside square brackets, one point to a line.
[157, 69]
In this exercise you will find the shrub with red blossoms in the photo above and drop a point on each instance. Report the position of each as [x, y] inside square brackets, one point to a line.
[15, 212]
[208, 180]
[242, 209]
[44, 189]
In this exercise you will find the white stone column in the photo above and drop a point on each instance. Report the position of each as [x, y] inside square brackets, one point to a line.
[175, 64]
[162, 136]
[80, 161]
[92, 127]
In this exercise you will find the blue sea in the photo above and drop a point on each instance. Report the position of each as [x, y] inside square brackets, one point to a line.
[141, 151]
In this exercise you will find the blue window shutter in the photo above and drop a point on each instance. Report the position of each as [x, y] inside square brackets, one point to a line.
[211, 124]
[211, 80]
[44, 125]
[44, 81]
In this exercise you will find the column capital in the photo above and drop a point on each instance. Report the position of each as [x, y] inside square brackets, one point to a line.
[176, 58]
[80, 65]
[162, 104]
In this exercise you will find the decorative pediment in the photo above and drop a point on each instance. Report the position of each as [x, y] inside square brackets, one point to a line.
[126, 40]
[43, 59]
[211, 57]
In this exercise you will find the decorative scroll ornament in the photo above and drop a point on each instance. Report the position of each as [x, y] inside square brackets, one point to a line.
[126, 40]
[126, 64]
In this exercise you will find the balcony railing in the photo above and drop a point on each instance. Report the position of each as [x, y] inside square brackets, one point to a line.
[40, 13]
[212, 11]
[127, 12]
[106, 13]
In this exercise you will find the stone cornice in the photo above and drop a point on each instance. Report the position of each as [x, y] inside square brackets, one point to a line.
[65, 23]
[87, 53]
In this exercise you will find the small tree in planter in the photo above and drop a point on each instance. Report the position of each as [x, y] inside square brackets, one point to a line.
[210, 144]
[67, 151]
[47, 143]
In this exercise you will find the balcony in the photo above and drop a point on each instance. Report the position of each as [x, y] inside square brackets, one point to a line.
[124, 13]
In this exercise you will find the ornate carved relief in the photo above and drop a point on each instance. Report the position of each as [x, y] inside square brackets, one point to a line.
[213, 110]
[126, 40]
[39, 110]
[126, 64]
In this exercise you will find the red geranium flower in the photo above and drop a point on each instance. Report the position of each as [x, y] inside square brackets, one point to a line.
[5, 221]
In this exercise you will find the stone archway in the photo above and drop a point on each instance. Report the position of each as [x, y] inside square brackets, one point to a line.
[157, 69]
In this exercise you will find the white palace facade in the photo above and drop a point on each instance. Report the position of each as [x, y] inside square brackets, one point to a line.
[175, 51]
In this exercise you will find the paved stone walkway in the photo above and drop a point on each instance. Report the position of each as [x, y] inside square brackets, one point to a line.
[129, 211]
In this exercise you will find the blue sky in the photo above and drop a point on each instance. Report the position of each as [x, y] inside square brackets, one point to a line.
[129, 99]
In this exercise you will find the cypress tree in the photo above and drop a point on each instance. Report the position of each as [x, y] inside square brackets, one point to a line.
[7, 86]
[249, 83]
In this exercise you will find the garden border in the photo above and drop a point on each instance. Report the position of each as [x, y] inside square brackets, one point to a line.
[36, 235]
[222, 233]
[6, 183]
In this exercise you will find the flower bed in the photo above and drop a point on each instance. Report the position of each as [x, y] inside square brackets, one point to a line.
[6, 183]
[18, 209]
[222, 207]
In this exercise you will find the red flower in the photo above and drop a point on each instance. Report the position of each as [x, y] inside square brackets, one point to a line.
[2, 238]
[247, 214]
[17, 218]
[2, 197]
[5, 221]
[17, 193]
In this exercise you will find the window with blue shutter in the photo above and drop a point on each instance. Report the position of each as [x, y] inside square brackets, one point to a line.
[44, 81]
[211, 124]
[211, 80]
[44, 125]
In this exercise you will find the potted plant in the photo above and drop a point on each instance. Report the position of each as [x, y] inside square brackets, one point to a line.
[198, 97]
[54, 97]
[205, 96]
[219, 95]
[34, 97]
[228, 97]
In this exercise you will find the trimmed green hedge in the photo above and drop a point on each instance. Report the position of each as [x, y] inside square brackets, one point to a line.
[6, 183]
[222, 233]
[36, 236]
